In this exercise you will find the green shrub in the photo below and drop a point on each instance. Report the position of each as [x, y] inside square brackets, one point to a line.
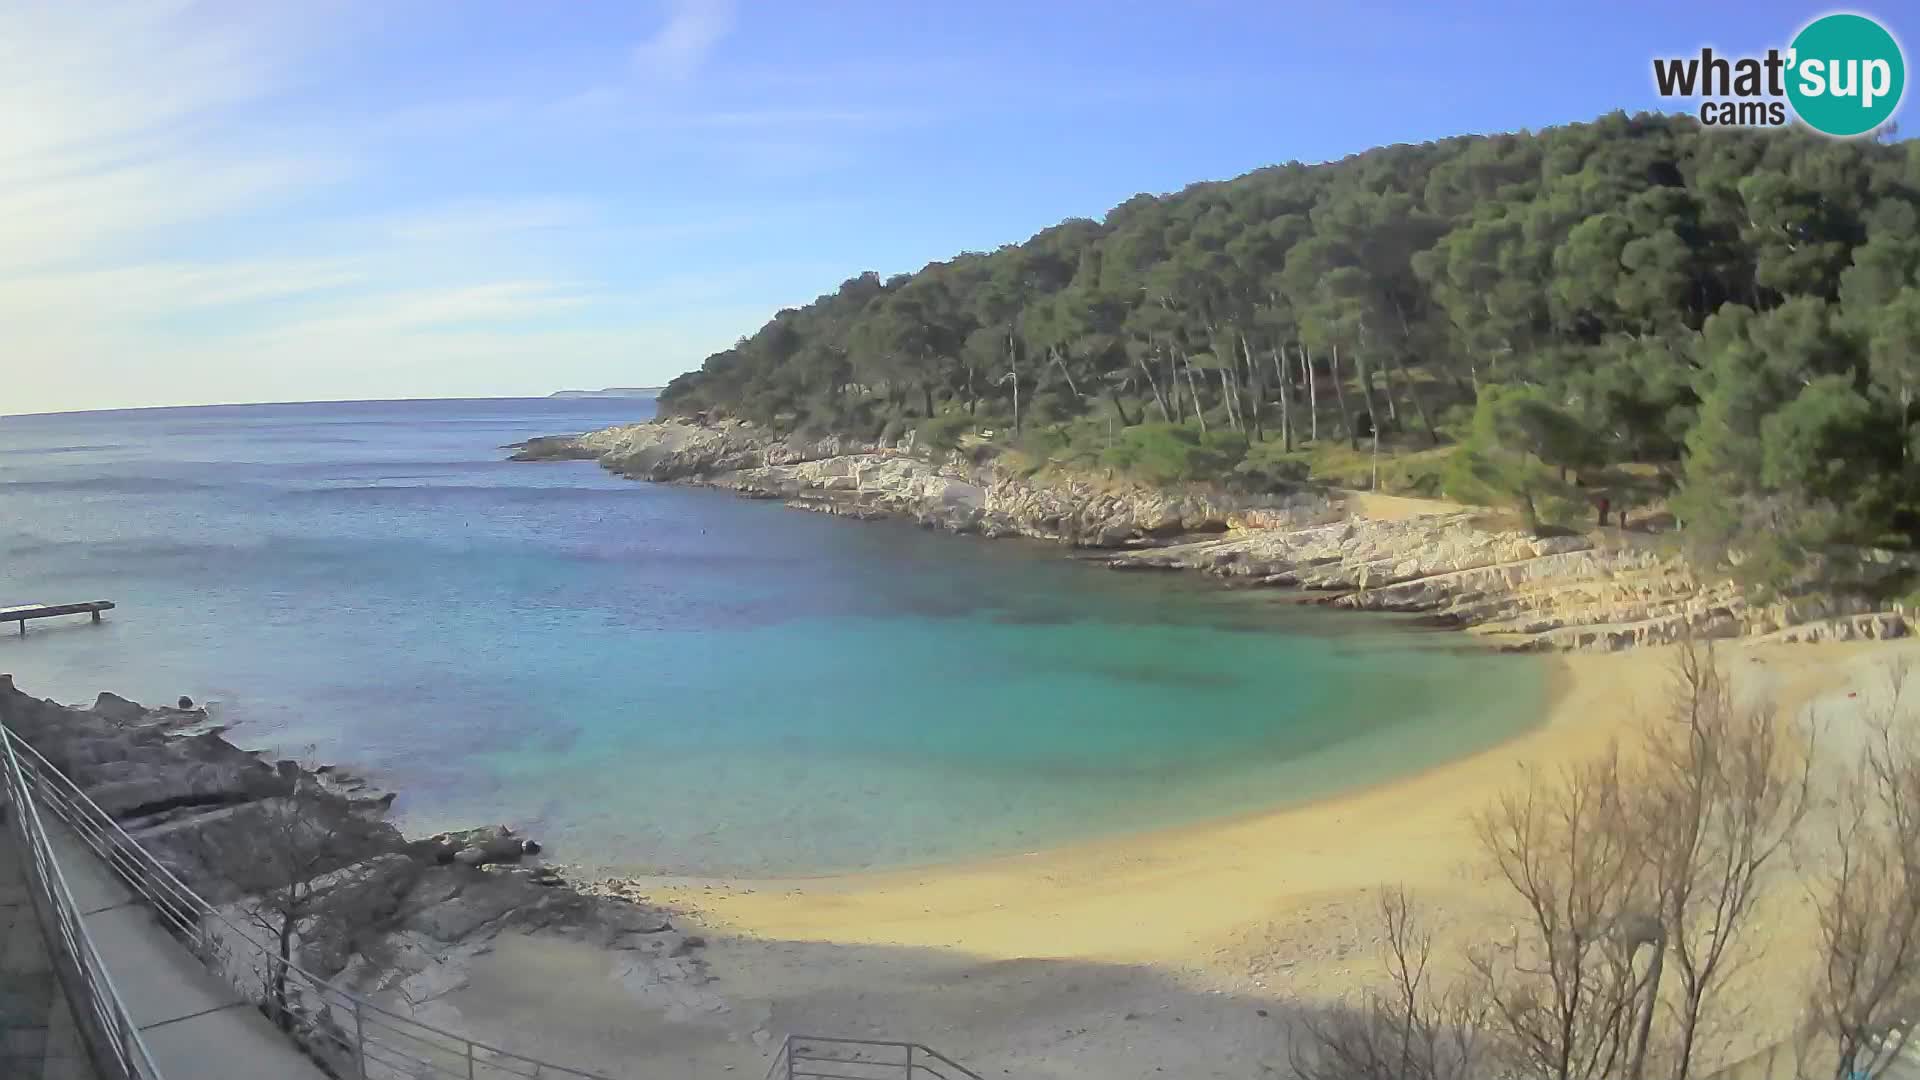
[1456, 420]
[1424, 476]
[943, 432]
[1268, 467]
[1033, 449]
[1043, 440]
[1518, 453]
[1173, 453]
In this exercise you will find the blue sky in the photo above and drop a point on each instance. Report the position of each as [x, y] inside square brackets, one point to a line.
[254, 201]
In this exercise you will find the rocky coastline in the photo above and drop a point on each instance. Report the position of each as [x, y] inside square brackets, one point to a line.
[1599, 591]
[406, 918]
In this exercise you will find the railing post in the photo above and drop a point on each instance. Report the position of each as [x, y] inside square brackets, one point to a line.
[909, 1061]
[359, 1039]
[23, 772]
[101, 1015]
[789, 1057]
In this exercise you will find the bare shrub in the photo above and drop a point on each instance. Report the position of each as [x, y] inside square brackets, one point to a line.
[1408, 1031]
[1719, 793]
[1624, 868]
[280, 851]
[1866, 985]
[1559, 988]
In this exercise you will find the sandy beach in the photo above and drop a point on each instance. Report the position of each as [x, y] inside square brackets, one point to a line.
[1266, 897]
[1174, 952]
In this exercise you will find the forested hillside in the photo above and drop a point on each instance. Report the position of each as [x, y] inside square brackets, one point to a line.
[1726, 320]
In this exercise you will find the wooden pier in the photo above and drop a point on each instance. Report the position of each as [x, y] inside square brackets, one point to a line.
[47, 611]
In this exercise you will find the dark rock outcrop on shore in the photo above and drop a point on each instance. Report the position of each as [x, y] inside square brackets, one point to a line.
[1605, 590]
[422, 910]
[551, 448]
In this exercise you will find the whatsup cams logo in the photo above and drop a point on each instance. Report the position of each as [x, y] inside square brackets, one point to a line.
[1843, 75]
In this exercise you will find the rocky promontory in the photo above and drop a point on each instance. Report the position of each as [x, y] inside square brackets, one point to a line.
[398, 920]
[1601, 590]
[838, 475]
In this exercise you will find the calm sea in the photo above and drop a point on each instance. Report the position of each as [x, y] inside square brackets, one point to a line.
[663, 678]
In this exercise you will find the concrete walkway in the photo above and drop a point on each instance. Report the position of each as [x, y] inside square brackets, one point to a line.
[194, 1023]
[37, 1036]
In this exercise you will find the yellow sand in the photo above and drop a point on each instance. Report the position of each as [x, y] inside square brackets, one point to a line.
[1274, 900]
[1377, 507]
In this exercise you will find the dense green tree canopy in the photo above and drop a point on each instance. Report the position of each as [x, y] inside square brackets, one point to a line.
[1738, 310]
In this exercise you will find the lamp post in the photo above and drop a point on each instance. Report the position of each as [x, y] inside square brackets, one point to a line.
[1635, 930]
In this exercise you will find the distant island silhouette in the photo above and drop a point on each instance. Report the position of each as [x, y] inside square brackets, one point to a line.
[611, 391]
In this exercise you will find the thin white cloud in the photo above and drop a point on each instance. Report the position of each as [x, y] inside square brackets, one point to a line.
[472, 219]
[365, 363]
[146, 290]
[131, 135]
[108, 211]
[168, 236]
[678, 49]
[406, 311]
[78, 75]
[113, 125]
[460, 117]
[794, 119]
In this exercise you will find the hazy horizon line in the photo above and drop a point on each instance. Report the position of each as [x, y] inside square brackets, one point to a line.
[318, 401]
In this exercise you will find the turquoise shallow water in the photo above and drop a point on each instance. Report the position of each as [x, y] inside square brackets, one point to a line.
[654, 677]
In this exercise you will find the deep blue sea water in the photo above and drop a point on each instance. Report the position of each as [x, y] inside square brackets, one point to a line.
[664, 678]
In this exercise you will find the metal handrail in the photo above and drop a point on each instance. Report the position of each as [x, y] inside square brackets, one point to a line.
[819, 1057]
[352, 1034]
[113, 1039]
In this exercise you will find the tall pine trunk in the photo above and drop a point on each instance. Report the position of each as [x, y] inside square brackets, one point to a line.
[1054, 358]
[1340, 396]
[1286, 402]
[1013, 366]
[1158, 398]
[1419, 401]
[1255, 391]
[1365, 373]
[1313, 393]
[1199, 412]
[1906, 408]
[1393, 398]
[1173, 387]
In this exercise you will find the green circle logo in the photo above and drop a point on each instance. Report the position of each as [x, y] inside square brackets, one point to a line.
[1846, 75]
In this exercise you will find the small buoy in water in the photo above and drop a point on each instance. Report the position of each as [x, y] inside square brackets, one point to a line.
[186, 702]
